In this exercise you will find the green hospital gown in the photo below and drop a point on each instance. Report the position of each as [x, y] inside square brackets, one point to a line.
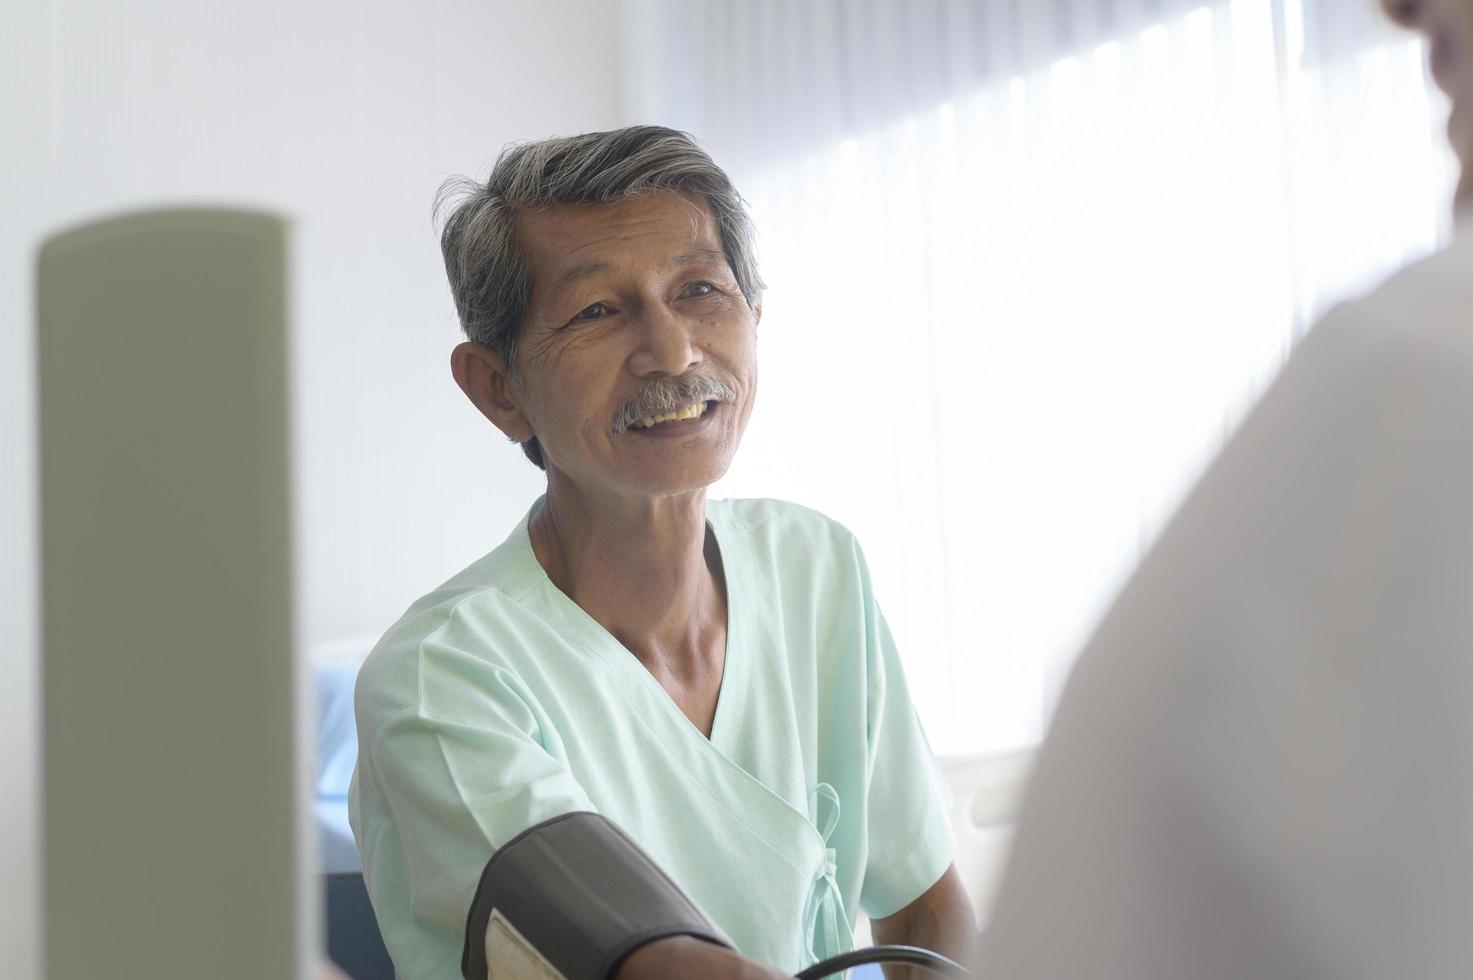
[496, 703]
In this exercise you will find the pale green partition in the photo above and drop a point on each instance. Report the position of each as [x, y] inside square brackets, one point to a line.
[171, 794]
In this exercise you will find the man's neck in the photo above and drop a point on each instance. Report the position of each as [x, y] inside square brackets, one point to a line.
[642, 567]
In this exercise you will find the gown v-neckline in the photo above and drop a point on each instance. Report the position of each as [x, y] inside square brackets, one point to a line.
[725, 720]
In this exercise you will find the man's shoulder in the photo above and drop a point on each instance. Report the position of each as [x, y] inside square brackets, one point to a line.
[794, 548]
[781, 519]
[462, 617]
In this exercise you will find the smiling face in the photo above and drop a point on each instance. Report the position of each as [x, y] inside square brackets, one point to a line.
[1448, 27]
[637, 355]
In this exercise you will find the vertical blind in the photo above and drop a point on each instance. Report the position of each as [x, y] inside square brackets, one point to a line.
[1029, 265]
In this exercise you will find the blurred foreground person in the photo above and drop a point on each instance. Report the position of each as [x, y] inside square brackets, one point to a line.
[1260, 767]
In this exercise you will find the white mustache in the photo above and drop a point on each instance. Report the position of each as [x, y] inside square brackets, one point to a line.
[664, 396]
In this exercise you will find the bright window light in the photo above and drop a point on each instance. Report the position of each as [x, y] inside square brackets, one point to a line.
[1003, 337]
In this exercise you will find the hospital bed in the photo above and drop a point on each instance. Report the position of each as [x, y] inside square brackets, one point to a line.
[351, 935]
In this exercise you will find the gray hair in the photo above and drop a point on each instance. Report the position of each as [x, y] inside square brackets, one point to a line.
[490, 277]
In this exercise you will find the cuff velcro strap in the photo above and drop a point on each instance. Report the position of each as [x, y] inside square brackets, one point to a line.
[573, 897]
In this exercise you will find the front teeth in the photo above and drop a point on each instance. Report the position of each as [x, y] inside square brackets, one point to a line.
[692, 412]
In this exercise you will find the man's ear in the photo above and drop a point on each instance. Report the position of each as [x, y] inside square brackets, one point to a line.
[757, 310]
[487, 382]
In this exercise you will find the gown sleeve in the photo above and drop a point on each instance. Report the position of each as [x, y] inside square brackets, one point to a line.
[907, 825]
[448, 778]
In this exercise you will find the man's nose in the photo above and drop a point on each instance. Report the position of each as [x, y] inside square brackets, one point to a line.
[667, 345]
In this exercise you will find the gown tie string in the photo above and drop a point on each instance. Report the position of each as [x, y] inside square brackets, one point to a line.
[826, 928]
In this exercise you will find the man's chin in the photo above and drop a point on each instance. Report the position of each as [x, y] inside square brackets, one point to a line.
[672, 485]
[668, 481]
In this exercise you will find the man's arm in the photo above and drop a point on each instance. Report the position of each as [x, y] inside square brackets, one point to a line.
[940, 920]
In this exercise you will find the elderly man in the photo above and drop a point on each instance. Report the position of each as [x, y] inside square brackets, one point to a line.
[714, 678]
[1261, 766]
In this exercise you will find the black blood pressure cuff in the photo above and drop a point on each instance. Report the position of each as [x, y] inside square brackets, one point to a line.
[573, 897]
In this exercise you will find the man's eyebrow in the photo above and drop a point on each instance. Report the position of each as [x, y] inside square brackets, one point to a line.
[581, 271]
[584, 270]
[695, 255]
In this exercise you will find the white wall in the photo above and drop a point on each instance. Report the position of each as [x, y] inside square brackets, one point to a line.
[346, 115]
[21, 112]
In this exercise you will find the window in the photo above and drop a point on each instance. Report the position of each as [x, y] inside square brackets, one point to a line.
[1006, 329]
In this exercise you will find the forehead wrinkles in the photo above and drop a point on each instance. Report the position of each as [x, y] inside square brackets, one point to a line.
[563, 236]
[569, 240]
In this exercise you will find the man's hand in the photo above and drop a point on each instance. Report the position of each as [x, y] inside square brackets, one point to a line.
[686, 956]
[941, 920]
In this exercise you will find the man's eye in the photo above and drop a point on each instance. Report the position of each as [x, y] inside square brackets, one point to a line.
[593, 312]
[700, 289]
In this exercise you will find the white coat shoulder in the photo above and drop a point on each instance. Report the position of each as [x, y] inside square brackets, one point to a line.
[1259, 767]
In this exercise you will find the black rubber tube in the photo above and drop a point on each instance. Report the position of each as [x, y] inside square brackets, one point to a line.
[908, 955]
